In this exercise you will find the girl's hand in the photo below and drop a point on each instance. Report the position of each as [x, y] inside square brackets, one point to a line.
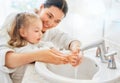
[52, 56]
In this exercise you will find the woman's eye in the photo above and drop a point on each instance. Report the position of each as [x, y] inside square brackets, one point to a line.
[49, 16]
[57, 21]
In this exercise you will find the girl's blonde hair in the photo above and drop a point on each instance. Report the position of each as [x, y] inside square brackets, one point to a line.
[21, 20]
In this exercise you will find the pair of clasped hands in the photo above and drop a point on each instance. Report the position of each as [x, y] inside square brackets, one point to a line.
[73, 57]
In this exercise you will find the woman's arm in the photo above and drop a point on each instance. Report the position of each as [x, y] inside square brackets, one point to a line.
[58, 38]
[14, 60]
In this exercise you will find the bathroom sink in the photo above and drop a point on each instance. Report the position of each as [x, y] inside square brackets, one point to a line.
[68, 74]
[91, 70]
[86, 70]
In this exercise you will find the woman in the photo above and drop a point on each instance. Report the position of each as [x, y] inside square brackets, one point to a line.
[51, 12]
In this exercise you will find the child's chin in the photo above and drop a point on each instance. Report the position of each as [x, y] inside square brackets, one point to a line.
[35, 42]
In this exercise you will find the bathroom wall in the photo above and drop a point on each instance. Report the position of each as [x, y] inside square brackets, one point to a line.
[10, 6]
[88, 26]
[84, 20]
[86, 29]
[112, 27]
[3, 10]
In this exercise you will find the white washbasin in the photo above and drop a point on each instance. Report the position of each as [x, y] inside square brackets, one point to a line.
[86, 70]
[68, 74]
[90, 71]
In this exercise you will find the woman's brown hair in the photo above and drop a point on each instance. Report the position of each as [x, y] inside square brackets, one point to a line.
[61, 4]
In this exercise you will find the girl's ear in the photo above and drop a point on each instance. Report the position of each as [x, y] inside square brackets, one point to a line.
[22, 32]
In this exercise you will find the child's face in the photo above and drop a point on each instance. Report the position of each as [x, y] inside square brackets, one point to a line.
[32, 33]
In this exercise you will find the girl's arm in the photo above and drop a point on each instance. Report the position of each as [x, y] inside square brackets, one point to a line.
[14, 60]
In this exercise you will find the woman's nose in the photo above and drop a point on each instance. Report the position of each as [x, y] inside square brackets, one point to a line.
[51, 23]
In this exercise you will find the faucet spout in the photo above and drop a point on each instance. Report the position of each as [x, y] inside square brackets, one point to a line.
[92, 45]
[102, 50]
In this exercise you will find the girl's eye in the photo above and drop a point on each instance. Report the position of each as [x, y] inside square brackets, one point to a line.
[36, 31]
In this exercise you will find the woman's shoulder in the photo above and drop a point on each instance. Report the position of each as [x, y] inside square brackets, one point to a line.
[54, 30]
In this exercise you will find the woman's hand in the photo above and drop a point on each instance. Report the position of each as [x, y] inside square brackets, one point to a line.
[78, 59]
[75, 51]
[75, 46]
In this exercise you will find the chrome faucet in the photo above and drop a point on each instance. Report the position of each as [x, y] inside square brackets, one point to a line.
[102, 52]
[106, 56]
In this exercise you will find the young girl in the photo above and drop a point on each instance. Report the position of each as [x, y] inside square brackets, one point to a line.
[24, 31]
[25, 35]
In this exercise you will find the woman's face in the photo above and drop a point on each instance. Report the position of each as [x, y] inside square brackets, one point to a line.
[50, 17]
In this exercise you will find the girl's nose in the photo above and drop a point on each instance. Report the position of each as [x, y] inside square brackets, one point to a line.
[40, 34]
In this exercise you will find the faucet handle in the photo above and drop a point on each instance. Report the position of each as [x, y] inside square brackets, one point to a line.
[111, 54]
[111, 60]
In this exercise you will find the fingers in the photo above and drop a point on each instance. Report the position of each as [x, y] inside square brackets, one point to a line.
[60, 55]
[75, 46]
[51, 56]
[57, 52]
[75, 60]
[60, 60]
[76, 50]
[64, 61]
[79, 60]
